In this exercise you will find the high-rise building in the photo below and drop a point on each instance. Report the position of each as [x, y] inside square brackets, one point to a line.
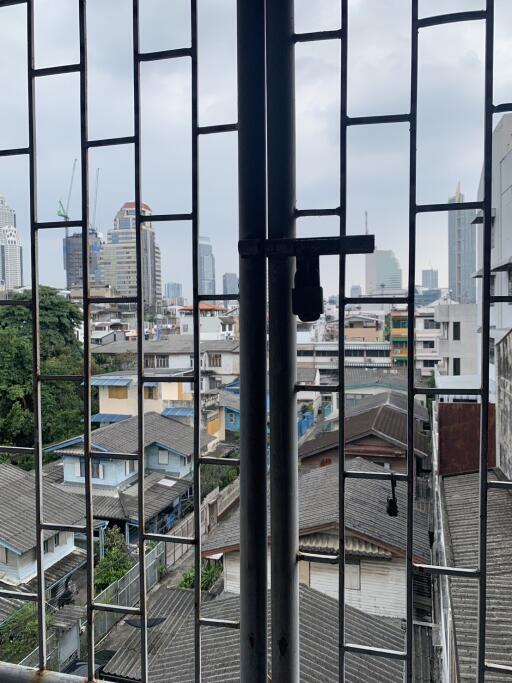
[118, 259]
[173, 290]
[206, 267]
[461, 253]
[230, 286]
[355, 291]
[430, 278]
[382, 271]
[73, 259]
[11, 251]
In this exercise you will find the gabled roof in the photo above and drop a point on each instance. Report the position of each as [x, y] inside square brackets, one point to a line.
[121, 437]
[229, 400]
[18, 508]
[394, 378]
[365, 511]
[395, 399]
[171, 643]
[461, 494]
[384, 421]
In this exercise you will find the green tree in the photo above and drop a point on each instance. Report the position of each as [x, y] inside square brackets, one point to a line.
[61, 354]
[19, 635]
[217, 475]
[116, 561]
[210, 572]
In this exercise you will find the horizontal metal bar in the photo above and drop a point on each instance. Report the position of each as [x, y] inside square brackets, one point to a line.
[73, 528]
[15, 673]
[219, 623]
[180, 540]
[384, 475]
[452, 18]
[9, 3]
[498, 668]
[55, 70]
[206, 460]
[322, 246]
[374, 120]
[502, 108]
[317, 387]
[451, 206]
[305, 213]
[113, 300]
[374, 651]
[15, 151]
[314, 36]
[376, 300]
[60, 378]
[169, 379]
[318, 558]
[164, 217]
[17, 450]
[18, 595]
[435, 391]
[219, 128]
[119, 609]
[57, 224]
[502, 299]
[447, 571]
[16, 302]
[110, 142]
[164, 54]
[218, 297]
[499, 485]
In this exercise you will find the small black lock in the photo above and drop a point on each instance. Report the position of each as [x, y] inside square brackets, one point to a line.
[308, 295]
[392, 505]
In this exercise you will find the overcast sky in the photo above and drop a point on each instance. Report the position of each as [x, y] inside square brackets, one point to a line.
[450, 122]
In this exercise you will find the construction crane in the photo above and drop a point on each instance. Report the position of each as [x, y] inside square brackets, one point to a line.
[63, 212]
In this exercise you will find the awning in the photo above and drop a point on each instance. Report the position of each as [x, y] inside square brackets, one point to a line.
[111, 381]
[503, 266]
[479, 218]
[101, 418]
[178, 412]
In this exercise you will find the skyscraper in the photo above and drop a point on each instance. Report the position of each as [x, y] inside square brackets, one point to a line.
[355, 291]
[173, 290]
[430, 279]
[461, 253]
[206, 267]
[230, 286]
[73, 259]
[11, 252]
[382, 271]
[118, 260]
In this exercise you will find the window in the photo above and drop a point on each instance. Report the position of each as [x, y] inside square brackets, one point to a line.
[493, 284]
[98, 471]
[163, 457]
[352, 575]
[215, 360]
[56, 540]
[456, 366]
[491, 351]
[151, 393]
[3, 556]
[400, 324]
[118, 392]
[493, 235]
[509, 277]
[429, 363]
[431, 324]
[429, 345]
[162, 361]
[456, 331]
[129, 467]
[46, 546]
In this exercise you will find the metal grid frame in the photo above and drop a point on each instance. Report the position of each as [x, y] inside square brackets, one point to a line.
[280, 37]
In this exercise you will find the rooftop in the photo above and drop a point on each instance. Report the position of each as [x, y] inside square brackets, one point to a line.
[175, 343]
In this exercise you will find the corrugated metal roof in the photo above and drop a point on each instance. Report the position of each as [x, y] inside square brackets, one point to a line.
[113, 381]
[178, 412]
[329, 544]
[108, 417]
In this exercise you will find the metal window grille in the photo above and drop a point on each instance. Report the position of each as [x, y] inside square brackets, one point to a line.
[266, 40]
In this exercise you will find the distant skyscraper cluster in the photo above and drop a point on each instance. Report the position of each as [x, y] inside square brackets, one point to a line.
[11, 252]
[461, 253]
[206, 267]
[430, 278]
[383, 271]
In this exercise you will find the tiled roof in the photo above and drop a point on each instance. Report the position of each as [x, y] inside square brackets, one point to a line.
[462, 522]
[171, 643]
[395, 399]
[229, 400]
[384, 421]
[329, 544]
[306, 375]
[388, 378]
[176, 343]
[365, 511]
[18, 507]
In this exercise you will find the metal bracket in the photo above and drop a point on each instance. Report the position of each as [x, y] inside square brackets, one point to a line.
[307, 246]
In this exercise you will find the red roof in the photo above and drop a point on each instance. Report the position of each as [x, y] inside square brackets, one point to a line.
[205, 306]
[131, 205]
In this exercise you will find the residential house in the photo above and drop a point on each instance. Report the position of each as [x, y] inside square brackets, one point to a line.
[426, 350]
[171, 641]
[18, 566]
[458, 343]
[363, 327]
[375, 543]
[398, 336]
[324, 355]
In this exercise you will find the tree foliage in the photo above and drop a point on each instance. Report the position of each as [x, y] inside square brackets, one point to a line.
[18, 636]
[210, 572]
[116, 561]
[216, 475]
[61, 354]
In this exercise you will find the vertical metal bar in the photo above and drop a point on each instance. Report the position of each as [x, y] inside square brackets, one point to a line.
[411, 470]
[36, 345]
[84, 166]
[282, 344]
[196, 347]
[341, 334]
[140, 348]
[486, 313]
[253, 342]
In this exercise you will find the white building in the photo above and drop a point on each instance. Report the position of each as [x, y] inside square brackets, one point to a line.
[382, 272]
[324, 355]
[11, 251]
[458, 341]
[428, 334]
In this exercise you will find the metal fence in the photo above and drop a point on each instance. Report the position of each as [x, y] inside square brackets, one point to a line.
[266, 152]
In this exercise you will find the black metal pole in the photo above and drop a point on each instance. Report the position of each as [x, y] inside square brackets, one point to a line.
[253, 342]
[282, 343]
